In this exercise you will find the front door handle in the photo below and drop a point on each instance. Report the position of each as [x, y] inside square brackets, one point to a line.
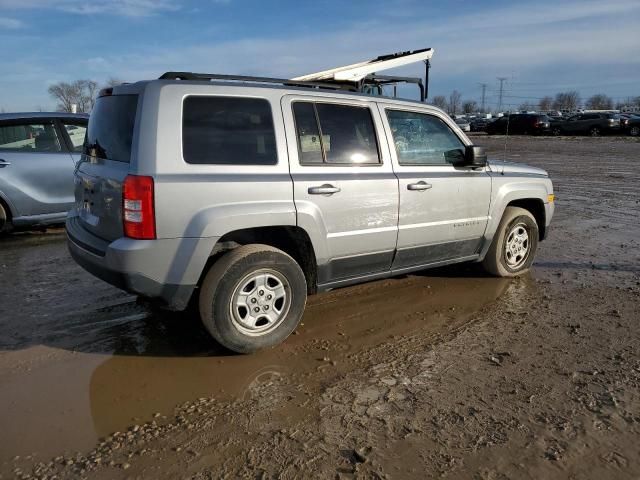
[326, 189]
[419, 186]
[4, 163]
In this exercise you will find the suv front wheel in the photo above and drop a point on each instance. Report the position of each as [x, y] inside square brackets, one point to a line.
[252, 298]
[514, 245]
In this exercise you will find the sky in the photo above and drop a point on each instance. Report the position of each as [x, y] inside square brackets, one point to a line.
[541, 47]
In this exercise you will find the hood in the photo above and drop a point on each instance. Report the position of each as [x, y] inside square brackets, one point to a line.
[501, 166]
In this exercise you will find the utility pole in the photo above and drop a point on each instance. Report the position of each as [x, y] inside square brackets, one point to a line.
[484, 89]
[502, 80]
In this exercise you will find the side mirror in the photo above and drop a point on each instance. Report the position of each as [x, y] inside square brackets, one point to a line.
[475, 156]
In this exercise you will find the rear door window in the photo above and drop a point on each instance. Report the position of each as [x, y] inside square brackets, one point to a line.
[29, 137]
[110, 131]
[228, 131]
[330, 133]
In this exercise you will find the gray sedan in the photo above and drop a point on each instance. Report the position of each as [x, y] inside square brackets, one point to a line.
[38, 152]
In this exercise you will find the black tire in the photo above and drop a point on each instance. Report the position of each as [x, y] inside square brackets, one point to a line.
[556, 132]
[223, 281]
[634, 131]
[594, 131]
[495, 262]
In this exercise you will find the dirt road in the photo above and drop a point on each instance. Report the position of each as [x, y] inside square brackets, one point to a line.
[447, 373]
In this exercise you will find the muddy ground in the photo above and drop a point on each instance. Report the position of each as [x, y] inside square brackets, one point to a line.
[447, 373]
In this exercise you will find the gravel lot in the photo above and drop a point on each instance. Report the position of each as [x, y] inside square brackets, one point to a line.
[447, 373]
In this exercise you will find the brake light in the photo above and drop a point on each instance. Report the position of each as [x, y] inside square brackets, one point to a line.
[139, 219]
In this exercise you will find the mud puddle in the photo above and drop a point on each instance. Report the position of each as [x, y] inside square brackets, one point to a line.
[80, 360]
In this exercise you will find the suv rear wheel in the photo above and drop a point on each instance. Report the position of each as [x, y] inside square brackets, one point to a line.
[252, 298]
[514, 245]
[634, 131]
[594, 131]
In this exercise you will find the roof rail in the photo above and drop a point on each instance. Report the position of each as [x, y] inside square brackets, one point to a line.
[246, 78]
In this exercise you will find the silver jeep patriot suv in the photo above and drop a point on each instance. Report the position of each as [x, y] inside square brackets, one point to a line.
[245, 197]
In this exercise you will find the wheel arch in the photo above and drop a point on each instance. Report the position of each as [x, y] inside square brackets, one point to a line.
[293, 240]
[530, 195]
[536, 207]
[6, 206]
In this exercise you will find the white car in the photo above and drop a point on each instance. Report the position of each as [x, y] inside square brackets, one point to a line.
[464, 124]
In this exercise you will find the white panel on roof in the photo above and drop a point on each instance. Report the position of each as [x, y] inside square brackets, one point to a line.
[358, 71]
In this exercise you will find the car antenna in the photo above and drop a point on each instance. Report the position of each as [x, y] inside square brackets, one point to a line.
[506, 140]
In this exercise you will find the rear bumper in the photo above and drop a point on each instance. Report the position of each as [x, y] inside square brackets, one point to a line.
[167, 270]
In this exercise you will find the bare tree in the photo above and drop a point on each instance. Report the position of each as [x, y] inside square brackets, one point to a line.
[628, 102]
[470, 106]
[81, 93]
[65, 94]
[439, 101]
[599, 101]
[545, 103]
[454, 102]
[567, 101]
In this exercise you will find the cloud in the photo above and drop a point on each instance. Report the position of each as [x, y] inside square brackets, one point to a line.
[10, 23]
[127, 8]
[586, 44]
[463, 45]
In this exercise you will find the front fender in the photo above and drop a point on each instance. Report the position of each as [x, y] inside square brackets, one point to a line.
[505, 191]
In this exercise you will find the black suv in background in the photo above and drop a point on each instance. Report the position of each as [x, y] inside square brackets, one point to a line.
[520, 124]
[630, 123]
[594, 124]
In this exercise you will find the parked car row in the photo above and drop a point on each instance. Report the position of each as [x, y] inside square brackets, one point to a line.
[520, 124]
[588, 123]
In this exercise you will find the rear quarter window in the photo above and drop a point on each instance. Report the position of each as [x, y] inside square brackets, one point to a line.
[228, 131]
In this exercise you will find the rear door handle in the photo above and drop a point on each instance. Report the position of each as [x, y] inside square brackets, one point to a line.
[419, 186]
[326, 189]
[4, 163]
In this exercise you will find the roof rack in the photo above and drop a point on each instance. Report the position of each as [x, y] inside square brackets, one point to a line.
[378, 81]
[358, 77]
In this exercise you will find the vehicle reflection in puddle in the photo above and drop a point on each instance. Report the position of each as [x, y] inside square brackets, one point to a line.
[160, 360]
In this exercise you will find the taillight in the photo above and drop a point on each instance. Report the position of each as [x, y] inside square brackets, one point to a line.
[138, 213]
